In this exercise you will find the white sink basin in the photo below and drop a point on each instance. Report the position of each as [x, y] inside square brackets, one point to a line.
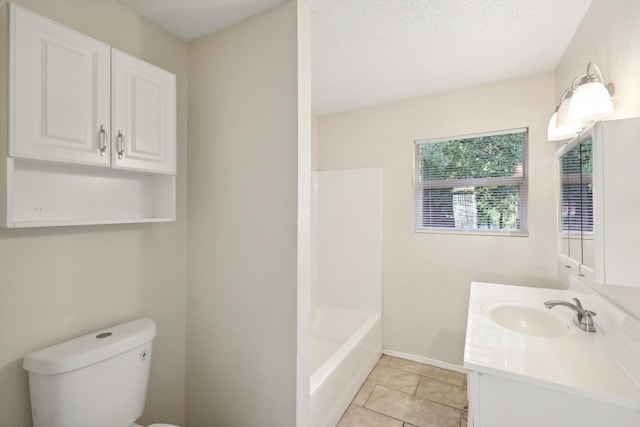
[511, 334]
[527, 320]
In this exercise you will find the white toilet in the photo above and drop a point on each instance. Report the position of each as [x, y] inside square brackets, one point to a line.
[98, 380]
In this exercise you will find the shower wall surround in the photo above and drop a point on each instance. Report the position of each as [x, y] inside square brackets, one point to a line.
[346, 249]
[347, 239]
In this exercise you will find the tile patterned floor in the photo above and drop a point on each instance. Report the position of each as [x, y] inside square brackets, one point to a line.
[402, 393]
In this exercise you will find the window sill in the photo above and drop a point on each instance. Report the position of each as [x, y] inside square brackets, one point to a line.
[587, 235]
[512, 233]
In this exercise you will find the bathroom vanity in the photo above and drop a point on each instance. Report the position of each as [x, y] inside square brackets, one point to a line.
[530, 366]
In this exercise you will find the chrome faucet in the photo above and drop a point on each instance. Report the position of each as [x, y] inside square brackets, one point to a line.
[583, 319]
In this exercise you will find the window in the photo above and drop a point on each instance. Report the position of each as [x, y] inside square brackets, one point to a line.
[472, 184]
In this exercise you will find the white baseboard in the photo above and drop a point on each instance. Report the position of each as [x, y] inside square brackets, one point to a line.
[426, 360]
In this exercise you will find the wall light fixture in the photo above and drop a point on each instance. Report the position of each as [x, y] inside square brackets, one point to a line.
[557, 132]
[587, 99]
[592, 99]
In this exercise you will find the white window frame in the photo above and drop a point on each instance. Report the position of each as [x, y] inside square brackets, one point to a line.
[523, 182]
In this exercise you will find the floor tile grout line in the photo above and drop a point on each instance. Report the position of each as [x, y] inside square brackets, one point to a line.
[399, 419]
[431, 378]
[416, 389]
[394, 389]
[438, 381]
[430, 366]
[382, 413]
[435, 401]
[386, 415]
[377, 412]
[440, 403]
[417, 397]
[421, 377]
[364, 405]
[418, 385]
[441, 381]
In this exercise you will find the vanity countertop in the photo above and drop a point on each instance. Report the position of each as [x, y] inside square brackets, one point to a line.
[604, 365]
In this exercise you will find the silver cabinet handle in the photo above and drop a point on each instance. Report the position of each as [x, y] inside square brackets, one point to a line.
[121, 144]
[103, 140]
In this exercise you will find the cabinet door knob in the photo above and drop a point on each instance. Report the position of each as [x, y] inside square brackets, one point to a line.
[121, 144]
[103, 140]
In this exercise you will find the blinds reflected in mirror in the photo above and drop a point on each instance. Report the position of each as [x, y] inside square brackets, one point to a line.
[576, 170]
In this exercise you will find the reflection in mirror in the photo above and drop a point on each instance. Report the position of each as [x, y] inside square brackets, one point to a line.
[569, 204]
[576, 169]
[598, 203]
[586, 203]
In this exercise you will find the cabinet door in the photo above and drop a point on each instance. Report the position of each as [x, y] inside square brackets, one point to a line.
[143, 113]
[59, 92]
[617, 201]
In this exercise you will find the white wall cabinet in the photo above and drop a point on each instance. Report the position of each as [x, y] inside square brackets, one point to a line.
[60, 93]
[143, 115]
[599, 201]
[92, 130]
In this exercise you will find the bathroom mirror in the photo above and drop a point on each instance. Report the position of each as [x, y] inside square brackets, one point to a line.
[587, 241]
[598, 202]
[569, 224]
[576, 225]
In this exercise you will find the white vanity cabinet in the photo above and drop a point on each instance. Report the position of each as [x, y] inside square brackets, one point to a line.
[496, 401]
[92, 130]
[599, 201]
[533, 367]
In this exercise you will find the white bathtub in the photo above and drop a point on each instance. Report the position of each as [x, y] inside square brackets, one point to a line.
[345, 346]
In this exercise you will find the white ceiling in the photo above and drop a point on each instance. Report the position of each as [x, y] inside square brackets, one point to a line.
[192, 19]
[368, 52]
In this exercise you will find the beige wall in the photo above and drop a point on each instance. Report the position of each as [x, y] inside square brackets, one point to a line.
[426, 277]
[610, 36]
[58, 283]
[243, 214]
[305, 155]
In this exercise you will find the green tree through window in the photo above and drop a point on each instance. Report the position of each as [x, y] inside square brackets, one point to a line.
[472, 183]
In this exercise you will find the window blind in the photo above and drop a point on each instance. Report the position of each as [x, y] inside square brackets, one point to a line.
[475, 183]
[576, 173]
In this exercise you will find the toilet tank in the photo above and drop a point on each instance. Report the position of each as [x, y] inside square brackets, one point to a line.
[98, 380]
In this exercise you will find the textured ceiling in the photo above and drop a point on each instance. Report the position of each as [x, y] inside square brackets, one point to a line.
[191, 19]
[367, 52]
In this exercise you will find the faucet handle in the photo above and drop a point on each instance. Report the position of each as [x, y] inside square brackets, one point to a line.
[586, 323]
[578, 303]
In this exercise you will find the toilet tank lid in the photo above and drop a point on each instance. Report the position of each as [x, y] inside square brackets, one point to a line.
[91, 348]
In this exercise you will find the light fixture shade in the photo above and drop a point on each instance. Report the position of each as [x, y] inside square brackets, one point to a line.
[555, 133]
[590, 101]
[563, 111]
